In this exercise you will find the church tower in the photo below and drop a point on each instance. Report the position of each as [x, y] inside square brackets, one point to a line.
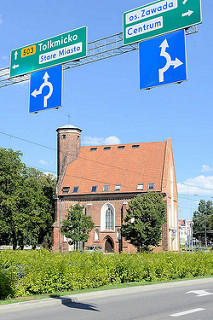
[68, 147]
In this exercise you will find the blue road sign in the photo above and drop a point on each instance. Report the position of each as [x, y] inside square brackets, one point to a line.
[163, 60]
[46, 89]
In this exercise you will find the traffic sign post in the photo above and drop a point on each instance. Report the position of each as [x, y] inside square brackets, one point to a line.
[163, 60]
[159, 18]
[46, 89]
[65, 47]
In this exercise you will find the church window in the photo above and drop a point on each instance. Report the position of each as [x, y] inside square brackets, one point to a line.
[109, 219]
[96, 235]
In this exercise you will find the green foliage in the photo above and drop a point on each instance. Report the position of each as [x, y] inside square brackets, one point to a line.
[144, 220]
[6, 288]
[26, 202]
[35, 272]
[77, 224]
[204, 215]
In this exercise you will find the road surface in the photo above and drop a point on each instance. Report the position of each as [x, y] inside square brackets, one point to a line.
[185, 300]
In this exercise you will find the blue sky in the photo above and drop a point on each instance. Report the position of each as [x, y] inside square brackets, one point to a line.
[103, 98]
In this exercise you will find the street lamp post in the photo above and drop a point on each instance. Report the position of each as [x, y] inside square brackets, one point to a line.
[205, 231]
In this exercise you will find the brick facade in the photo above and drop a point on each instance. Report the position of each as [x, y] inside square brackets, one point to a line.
[79, 166]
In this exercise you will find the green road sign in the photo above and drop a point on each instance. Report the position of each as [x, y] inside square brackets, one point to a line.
[160, 17]
[65, 47]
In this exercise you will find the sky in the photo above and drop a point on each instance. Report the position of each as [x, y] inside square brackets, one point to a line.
[103, 98]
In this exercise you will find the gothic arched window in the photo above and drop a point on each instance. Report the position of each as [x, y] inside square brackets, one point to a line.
[109, 219]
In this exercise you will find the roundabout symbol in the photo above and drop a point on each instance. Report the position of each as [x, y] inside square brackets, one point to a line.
[44, 84]
[46, 89]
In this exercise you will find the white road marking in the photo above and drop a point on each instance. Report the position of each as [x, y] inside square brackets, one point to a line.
[200, 293]
[183, 313]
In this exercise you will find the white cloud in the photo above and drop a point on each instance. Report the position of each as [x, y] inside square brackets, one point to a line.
[206, 168]
[4, 57]
[199, 185]
[43, 162]
[95, 141]
[112, 140]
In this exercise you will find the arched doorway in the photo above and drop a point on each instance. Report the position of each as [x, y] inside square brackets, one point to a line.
[109, 245]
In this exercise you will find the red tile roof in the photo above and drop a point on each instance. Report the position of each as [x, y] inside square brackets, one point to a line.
[127, 167]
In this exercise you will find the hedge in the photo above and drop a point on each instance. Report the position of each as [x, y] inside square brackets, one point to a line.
[24, 273]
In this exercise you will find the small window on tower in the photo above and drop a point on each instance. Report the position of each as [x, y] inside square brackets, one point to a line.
[64, 136]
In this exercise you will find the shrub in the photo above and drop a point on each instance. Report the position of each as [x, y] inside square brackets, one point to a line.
[6, 288]
[31, 272]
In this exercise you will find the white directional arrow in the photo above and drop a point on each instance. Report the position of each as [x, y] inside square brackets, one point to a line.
[176, 63]
[39, 91]
[200, 293]
[15, 66]
[188, 13]
[184, 1]
[16, 54]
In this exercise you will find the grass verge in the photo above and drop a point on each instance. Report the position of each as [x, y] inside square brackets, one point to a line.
[107, 287]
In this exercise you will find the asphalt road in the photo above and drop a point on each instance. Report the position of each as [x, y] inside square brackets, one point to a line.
[181, 300]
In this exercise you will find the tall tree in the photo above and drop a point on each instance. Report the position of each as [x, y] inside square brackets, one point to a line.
[37, 208]
[143, 223]
[12, 172]
[202, 221]
[26, 202]
[77, 225]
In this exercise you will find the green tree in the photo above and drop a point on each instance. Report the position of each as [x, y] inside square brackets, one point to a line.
[36, 209]
[12, 172]
[203, 219]
[143, 223]
[26, 202]
[77, 225]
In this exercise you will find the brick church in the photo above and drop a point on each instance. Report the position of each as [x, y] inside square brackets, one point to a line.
[104, 178]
